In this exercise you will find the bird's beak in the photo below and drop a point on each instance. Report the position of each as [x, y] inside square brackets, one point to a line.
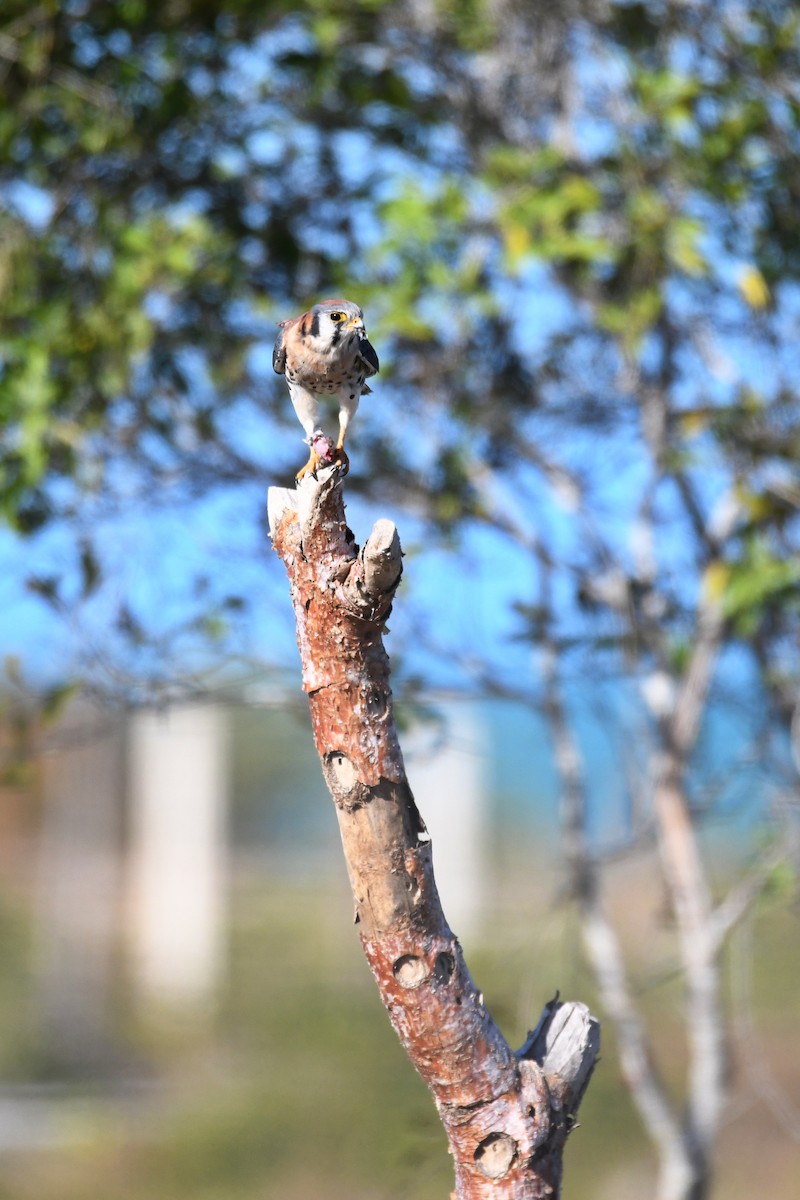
[354, 323]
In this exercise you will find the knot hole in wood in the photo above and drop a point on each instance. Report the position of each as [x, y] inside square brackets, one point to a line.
[495, 1154]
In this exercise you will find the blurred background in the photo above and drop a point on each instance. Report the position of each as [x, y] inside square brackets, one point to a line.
[574, 230]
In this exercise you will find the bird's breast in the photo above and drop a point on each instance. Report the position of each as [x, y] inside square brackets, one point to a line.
[325, 372]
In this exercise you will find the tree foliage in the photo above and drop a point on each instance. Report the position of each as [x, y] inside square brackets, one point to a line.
[573, 227]
[568, 222]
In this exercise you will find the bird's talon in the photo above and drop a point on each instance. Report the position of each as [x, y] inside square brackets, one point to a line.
[341, 460]
[310, 467]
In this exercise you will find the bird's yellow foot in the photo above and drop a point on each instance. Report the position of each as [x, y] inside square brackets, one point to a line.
[341, 460]
[313, 462]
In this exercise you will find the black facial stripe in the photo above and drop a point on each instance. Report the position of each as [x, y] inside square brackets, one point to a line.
[315, 324]
[304, 328]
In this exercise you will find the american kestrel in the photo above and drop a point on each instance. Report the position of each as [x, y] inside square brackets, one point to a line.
[325, 356]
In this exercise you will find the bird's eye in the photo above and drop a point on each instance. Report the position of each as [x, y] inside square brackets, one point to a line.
[337, 317]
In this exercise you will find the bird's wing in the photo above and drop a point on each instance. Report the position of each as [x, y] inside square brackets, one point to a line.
[279, 353]
[369, 358]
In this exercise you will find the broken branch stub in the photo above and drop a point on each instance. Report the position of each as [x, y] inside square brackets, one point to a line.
[506, 1115]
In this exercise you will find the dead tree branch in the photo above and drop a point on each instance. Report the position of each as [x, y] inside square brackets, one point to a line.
[506, 1114]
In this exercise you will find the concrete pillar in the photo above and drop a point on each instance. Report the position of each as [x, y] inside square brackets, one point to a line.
[178, 799]
[446, 767]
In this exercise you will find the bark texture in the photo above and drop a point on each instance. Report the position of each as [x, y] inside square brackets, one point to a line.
[507, 1114]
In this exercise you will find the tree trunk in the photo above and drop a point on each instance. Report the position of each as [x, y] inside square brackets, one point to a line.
[507, 1115]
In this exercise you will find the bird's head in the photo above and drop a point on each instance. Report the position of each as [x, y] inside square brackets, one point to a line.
[333, 321]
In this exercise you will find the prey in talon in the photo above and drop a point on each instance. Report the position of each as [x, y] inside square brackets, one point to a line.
[326, 358]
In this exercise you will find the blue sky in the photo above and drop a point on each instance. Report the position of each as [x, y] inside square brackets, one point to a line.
[459, 599]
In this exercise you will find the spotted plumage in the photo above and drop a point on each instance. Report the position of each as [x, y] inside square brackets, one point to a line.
[325, 356]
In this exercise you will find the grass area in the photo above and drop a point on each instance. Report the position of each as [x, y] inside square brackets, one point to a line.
[298, 1087]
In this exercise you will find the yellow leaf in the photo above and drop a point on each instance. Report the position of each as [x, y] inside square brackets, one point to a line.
[694, 423]
[517, 241]
[715, 580]
[753, 287]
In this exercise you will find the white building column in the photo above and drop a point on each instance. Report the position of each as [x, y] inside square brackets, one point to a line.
[446, 767]
[177, 856]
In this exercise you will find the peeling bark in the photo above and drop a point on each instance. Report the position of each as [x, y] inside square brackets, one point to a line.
[506, 1114]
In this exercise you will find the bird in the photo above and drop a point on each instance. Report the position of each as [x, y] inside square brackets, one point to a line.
[325, 356]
